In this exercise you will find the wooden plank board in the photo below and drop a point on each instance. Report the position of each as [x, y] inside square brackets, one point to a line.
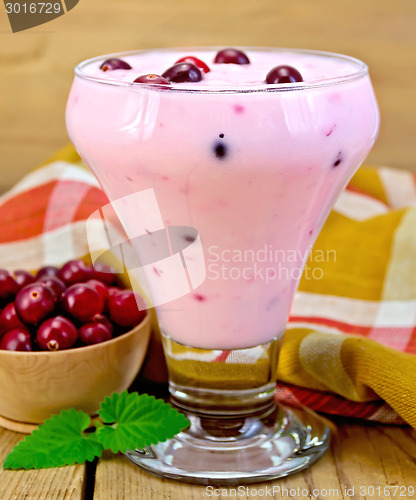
[361, 457]
[64, 483]
[36, 66]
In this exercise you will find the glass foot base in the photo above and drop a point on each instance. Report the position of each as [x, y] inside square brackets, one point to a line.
[212, 451]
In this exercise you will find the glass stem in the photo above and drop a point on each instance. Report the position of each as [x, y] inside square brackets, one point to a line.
[222, 383]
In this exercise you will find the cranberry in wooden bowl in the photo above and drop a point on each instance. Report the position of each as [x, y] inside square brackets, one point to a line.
[52, 368]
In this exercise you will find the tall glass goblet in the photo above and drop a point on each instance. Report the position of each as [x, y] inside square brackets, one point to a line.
[222, 187]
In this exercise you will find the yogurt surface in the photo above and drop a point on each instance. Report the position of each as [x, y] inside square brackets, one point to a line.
[313, 67]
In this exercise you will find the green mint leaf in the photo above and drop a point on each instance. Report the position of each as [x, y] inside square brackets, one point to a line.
[137, 421]
[59, 441]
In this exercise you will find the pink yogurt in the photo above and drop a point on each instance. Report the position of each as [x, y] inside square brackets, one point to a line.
[254, 168]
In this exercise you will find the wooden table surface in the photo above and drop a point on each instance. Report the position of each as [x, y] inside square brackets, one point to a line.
[365, 461]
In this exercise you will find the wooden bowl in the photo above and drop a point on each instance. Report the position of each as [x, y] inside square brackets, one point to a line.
[35, 385]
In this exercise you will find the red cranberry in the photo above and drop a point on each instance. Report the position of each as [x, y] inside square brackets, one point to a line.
[124, 310]
[101, 318]
[47, 271]
[102, 272]
[82, 302]
[55, 284]
[17, 339]
[154, 79]
[183, 72]
[74, 271]
[113, 290]
[56, 334]
[194, 60]
[23, 278]
[34, 302]
[94, 333]
[283, 74]
[231, 56]
[9, 319]
[100, 288]
[8, 286]
[114, 63]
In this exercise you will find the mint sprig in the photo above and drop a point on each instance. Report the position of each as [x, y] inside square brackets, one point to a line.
[126, 421]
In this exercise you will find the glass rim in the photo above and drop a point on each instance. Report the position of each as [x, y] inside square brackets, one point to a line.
[360, 70]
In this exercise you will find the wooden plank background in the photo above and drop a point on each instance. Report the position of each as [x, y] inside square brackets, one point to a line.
[36, 66]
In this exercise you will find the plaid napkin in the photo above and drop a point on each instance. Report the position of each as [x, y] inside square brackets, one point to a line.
[367, 293]
[351, 339]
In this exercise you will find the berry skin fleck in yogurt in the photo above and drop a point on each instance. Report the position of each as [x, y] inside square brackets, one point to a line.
[199, 297]
[338, 160]
[220, 150]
